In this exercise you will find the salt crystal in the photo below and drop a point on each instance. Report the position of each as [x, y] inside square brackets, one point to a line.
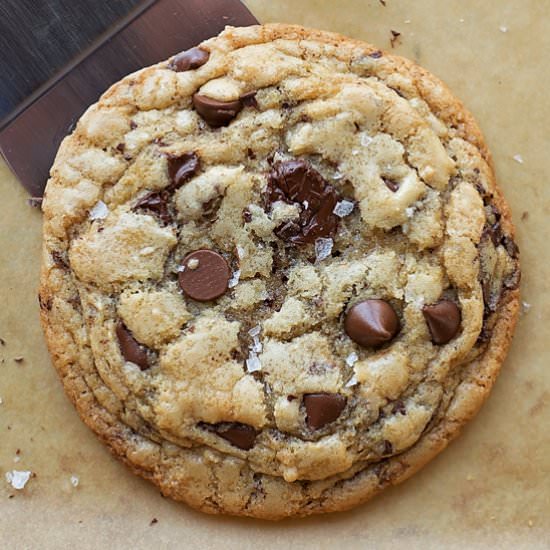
[502, 28]
[257, 347]
[407, 21]
[253, 363]
[525, 307]
[323, 248]
[241, 252]
[254, 331]
[518, 158]
[337, 176]
[99, 211]
[352, 382]
[366, 140]
[343, 208]
[147, 250]
[355, 152]
[351, 359]
[18, 479]
[410, 211]
[16, 458]
[180, 268]
[75, 481]
[461, 20]
[234, 279]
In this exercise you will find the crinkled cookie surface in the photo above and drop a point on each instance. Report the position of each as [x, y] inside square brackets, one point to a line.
[277, 275]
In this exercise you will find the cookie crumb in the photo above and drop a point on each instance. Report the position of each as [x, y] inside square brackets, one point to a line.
[153, 521]
[75, 481]
[524, 216]
[383, 2]
[525, 307]
[99, 211]
[503, 28]
[530, 523]
[19, 359]
[18, 478]
[518, 158]
[1, 401]
[394, 37]
[2, 342]
[469, 477]
[461, 20]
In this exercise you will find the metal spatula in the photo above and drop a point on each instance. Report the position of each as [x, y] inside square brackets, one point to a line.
[58, 56]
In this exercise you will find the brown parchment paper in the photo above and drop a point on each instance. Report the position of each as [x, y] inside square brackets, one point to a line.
[489, 489]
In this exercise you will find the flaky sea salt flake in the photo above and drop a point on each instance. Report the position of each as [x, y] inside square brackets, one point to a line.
[518, 158]
[99, 211]
[323, 248]
[343, 208]
[352, 382]
[351, 359]
[234, 281]
[253, 363]
[254, 331]
[18, 478]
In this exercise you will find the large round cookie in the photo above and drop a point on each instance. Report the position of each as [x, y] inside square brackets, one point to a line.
[278, 275]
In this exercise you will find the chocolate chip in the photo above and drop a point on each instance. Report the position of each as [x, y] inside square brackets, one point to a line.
[297, 182]
[182, 168]
[131, 349]
[371, 323]
[323, 408]
[443, 319]
[388, 447]
[156, 201]
[247, 216]
[249, 100]
[216, 113]
[391, 185]
[120, 147]
[190, 59]
[205, 275]
[242, 436]
[399, 407]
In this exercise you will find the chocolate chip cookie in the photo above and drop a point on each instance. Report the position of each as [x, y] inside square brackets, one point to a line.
[278, 275]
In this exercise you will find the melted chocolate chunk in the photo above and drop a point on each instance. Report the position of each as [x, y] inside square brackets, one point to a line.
[190, 59]
[443, 319]
[391, 185]
[249, 100]
[323, 408]
[157, 201]
[131, 349]
[371, 323]
[182, 168]
[216, 113]
[240, 435]
[205, 275]
[297, 182]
